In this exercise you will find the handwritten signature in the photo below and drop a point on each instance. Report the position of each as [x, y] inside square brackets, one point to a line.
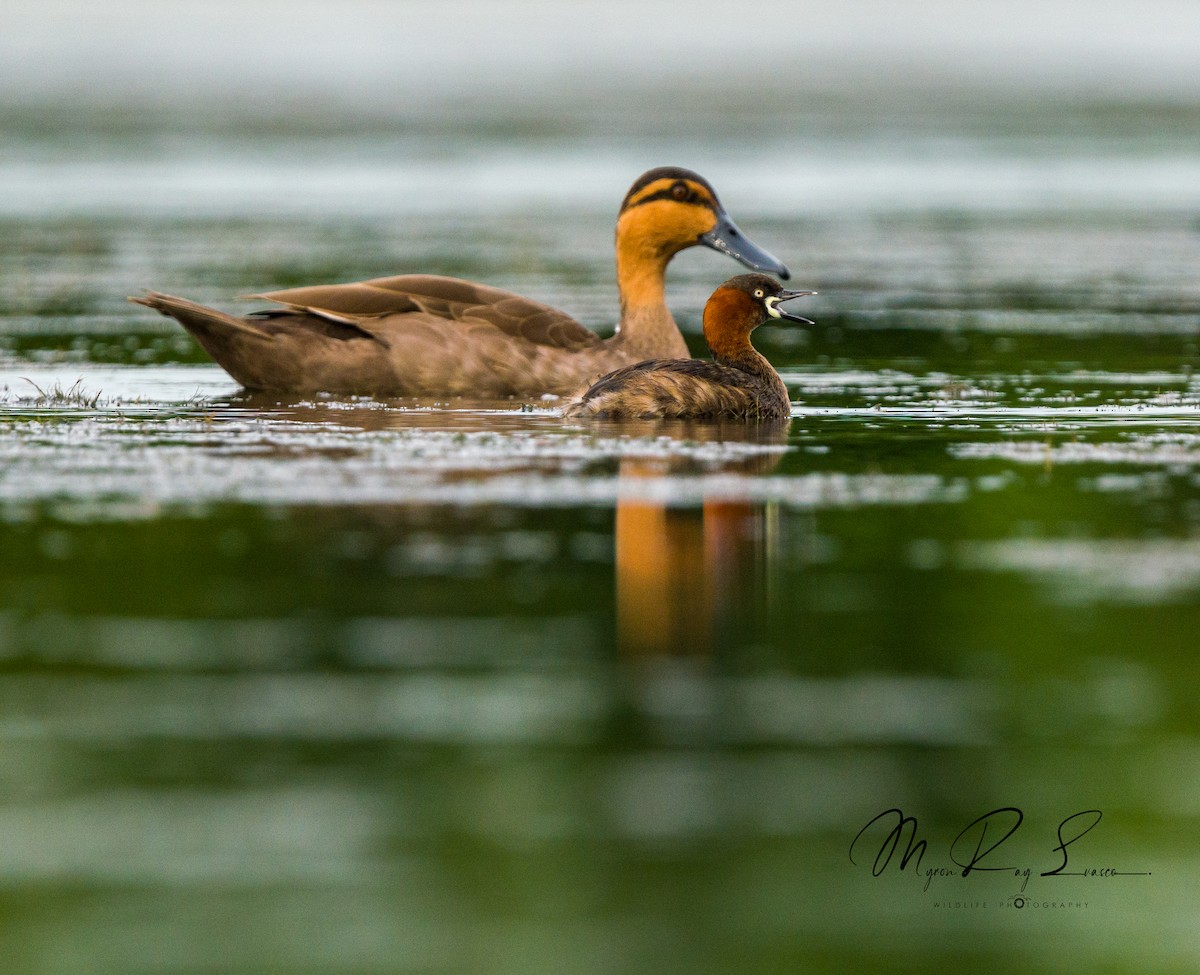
[971, 847]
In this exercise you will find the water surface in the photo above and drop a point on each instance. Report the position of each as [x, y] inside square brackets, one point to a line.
[345, 685]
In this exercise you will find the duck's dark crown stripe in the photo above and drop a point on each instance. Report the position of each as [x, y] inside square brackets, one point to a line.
[673, 173]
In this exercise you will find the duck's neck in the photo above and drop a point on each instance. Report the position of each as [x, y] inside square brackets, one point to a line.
[646, 329]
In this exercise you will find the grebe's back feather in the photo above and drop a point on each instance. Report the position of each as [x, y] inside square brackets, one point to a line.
[678, 388]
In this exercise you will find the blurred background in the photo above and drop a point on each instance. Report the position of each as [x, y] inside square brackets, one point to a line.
[398, 106]
[345, 686]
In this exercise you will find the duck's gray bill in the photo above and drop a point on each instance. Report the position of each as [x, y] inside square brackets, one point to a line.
[726, 238]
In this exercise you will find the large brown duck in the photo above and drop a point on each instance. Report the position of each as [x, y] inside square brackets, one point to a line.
[425, 335]
[739, 384]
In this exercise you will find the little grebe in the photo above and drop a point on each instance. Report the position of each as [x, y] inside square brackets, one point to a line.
[739, 384]
[425, 335]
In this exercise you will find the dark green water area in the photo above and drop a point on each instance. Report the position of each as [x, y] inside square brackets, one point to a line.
[355, 686]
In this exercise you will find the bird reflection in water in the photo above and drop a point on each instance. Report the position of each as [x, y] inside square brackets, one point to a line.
[685, 577]
[688, 578]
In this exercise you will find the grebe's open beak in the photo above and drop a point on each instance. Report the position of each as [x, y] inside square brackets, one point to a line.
[726, 238]
[774, 311]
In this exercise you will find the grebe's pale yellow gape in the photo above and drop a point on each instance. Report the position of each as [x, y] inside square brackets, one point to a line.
[424, 335]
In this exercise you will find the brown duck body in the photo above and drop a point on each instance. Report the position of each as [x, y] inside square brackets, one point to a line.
[739, 384]
[426, 335]
[435, 336]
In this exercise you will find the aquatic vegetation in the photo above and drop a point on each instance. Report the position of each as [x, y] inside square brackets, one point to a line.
[57, 395]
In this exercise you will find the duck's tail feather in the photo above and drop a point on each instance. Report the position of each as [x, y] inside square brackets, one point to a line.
[204, 323]
[235, 344]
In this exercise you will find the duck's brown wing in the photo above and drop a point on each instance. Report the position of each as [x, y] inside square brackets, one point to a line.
[371, 307]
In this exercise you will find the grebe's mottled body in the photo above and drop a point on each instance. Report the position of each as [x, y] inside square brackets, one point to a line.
[738, 384]
[424, 335]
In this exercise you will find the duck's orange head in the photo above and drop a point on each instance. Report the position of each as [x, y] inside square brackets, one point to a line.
[669, 209]
[739, 306]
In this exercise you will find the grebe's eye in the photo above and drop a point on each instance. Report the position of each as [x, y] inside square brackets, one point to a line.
[759, 293]
[680, 191]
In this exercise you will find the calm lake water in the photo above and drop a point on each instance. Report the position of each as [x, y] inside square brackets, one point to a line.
[350, 686]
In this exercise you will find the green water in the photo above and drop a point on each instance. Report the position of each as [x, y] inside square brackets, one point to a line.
[354, 686]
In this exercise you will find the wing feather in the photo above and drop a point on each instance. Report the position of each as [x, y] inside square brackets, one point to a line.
[367, 304]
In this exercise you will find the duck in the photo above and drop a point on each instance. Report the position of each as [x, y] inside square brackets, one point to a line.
[738, 384]
[424, 335]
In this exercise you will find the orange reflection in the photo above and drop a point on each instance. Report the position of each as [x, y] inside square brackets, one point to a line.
[663, 584]
[683, 574]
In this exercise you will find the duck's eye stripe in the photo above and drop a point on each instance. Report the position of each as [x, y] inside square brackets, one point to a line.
[664, 190]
